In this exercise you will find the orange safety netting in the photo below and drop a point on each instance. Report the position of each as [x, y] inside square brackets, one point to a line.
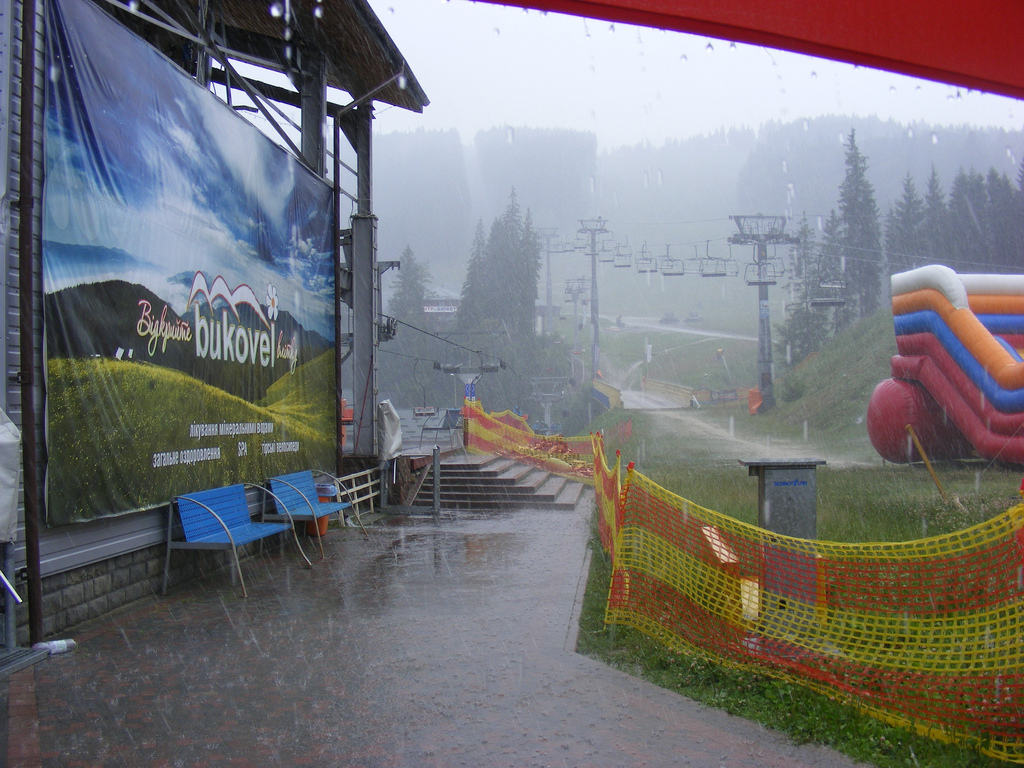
[508, 434]
[923, 634]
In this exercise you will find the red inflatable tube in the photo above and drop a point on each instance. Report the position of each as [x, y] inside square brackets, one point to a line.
[894, 404]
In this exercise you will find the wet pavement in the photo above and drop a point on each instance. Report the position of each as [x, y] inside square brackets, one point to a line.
[431, 644]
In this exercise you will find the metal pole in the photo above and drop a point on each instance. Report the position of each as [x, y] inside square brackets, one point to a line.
[338, 259]
[10, 617]
[437, 480]
[26, 291]
[595, 342]
[764, 333]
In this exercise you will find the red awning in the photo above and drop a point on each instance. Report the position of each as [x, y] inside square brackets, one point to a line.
[979, 47]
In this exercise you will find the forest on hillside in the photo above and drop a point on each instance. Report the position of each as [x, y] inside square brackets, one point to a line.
[920, 194]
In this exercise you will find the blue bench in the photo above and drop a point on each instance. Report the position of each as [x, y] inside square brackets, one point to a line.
[297, 498]
[219, 519]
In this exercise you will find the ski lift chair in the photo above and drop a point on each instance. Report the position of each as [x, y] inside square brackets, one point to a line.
[645, 263]
[760, 273]
[831, 294]
[672, 267]
[623, 257]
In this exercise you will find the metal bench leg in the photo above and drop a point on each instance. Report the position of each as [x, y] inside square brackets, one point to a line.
[319, 538]
[238, 567]
[295, 535]
[167, 570]
[167, 560]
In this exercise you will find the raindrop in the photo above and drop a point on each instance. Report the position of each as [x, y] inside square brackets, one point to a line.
[288, 34]
[821, 225]
[892, 89]
[910, 133]
[805, 430]
[497, 31]
[510, 134]
[661, 178]
[733, 45]
[709, 48]
[288, 52]
[1009, 156]
[935, 138]
[842, 264]
[403, 82]
[276, 10]
[807, 125]
[789, 354]
[318, 12]
[647, 179]
[977, 482]
[814, 75]
[593, 185]
[682, 57]
[767, 506]
[732, 426]
[611, 27]
[54, 74]
[842, 138]
[784, 167]
[133, 5]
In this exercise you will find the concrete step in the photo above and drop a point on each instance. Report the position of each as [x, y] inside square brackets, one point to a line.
[490, 482]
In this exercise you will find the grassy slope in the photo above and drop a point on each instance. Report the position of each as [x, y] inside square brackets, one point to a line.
[151, 411]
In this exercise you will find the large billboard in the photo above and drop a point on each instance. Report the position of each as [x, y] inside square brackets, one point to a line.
[188, 283]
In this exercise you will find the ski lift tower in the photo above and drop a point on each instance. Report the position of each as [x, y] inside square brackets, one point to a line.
[548, 390]
[762, 231]
[576, 292]
[552, 244]
[591, 229]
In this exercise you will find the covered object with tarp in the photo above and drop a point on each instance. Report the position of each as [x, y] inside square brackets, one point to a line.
[975, 47]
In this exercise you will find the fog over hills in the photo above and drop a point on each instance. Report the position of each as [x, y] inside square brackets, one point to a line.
[433, 187]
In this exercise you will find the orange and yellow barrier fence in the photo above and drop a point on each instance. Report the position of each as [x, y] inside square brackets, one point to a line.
[925, 634]
[508, 434]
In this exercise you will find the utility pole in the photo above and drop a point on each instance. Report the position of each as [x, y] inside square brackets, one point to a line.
[762, 231]
[591, 228]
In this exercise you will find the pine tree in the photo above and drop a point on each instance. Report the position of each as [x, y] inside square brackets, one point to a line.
[861, 234]
[1002, 229]
[472, 311]
[806, 327]
[904, 230]
[968, 202]
[411, 290]
[936, 222]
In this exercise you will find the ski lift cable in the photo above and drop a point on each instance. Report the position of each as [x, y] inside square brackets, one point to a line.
[505, 364]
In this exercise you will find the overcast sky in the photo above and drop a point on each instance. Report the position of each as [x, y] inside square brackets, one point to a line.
[484, 65]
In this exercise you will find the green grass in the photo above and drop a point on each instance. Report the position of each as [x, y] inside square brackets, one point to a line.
[132, 410]
[804, 715]
[859, 499]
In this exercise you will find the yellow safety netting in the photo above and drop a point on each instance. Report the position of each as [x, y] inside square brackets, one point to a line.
[508, 434]
[926, 634]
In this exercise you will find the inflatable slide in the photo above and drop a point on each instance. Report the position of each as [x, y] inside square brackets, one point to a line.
[958, 379]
